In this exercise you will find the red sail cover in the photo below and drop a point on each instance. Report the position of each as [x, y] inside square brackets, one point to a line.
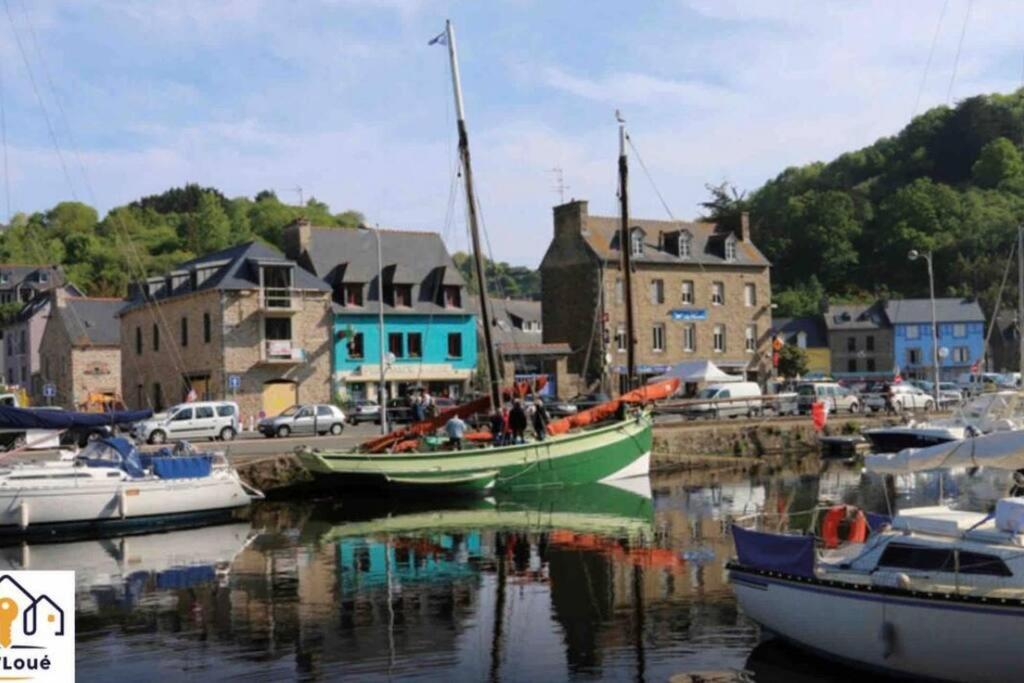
[431, 425]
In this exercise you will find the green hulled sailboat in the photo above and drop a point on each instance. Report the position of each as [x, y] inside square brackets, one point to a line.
[590, 454]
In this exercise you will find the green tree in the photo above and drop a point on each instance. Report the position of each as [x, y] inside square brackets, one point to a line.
[999, 161]
[212, 227]
[792, 361]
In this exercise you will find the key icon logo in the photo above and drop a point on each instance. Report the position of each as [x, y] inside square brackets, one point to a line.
[8, 613]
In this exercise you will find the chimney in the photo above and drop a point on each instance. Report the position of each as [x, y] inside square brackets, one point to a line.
[59, 297]
[297, 237]
[571, 217]
[744, 233]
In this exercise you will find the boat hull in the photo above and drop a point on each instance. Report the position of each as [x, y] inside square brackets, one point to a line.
[895, 631]
[896, 439]
[112, 506]
[618, 451]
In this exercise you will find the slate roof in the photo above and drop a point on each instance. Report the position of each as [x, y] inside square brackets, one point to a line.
[349, 256]
[707, 245]
[907, 311]
[813, 327]
[508, 334]
[870, 316]
[233, 269]
[30, 275]
[91, 322]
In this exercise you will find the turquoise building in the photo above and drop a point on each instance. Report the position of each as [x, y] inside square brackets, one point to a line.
[429, 324]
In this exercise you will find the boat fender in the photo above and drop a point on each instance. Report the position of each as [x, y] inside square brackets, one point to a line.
[886, 579]
[23, 515]
[887, 634]
[122, 503]
[858, 529]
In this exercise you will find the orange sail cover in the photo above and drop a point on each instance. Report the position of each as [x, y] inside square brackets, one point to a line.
[646, 394]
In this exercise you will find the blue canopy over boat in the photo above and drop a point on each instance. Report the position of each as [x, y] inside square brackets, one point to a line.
[25, 418]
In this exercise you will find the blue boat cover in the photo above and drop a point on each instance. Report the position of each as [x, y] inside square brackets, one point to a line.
[22, 418]
[183, 466]
[774, 552]
[130, 461]
[185, 577]
[876, 520]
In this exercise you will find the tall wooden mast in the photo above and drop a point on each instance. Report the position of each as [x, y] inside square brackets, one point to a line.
[626, 249]
[494, 373]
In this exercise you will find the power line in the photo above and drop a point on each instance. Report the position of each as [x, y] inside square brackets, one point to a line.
[931, 55]
[959, 47]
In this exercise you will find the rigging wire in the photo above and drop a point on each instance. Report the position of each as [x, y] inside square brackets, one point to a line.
[959, 48]
[931, 55]
[39, 98]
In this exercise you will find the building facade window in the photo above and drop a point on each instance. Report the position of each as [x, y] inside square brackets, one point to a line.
[690, 337]
[355, 346]
[455, 345]
[749, 295]
[352, 294]
[851, 365]
[414, 345]
[657, 291]
[718, 338]
[207, 328]
[620, 339]
[851, 344]
[619, 296]
[913, 332]
[403, 296]
[717, 293]
[750, 338]
[138, 343]
[687, 292]
[685, 245]
[156, 338]
[960, 330]
[961, 355]
[871, 364]
[452, 296]
[184, 331]
[396, 347]
[658, 338]
[913, 356]
[869, 342]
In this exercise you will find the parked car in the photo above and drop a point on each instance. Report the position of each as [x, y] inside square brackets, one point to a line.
[974, 384]
[556, 407]
[949, 394]
[197, 420]
[362, 410]
[315, 419]
[899, 397]
[722, 401]
[585, 401]
[838, 398]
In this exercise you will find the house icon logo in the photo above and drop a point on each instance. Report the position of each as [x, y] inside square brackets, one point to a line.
[37, 623]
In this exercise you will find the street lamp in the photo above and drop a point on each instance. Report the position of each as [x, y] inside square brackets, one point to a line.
[913, 255]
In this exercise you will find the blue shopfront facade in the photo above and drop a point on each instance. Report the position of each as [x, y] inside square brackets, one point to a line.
[436, 352]
[961, 339]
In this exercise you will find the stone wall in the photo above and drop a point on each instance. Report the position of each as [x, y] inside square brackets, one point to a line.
[75, 370]
[882, 356]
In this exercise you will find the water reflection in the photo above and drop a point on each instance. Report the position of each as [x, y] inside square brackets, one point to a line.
[588, 583]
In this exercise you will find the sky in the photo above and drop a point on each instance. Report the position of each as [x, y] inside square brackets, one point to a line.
[345, 99]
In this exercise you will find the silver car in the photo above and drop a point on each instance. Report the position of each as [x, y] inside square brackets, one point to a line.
[311, 419]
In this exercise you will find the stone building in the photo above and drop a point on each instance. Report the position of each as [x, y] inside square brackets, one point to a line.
[429, 322]
[860, 340]
[700, 292]
[524, 355]
[243, 323]
[80, 349]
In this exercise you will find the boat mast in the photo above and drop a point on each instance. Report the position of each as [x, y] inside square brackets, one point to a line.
[382, 396]
[626, 248]
[478, 257]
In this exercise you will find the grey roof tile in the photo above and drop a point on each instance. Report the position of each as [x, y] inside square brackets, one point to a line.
[947, 310]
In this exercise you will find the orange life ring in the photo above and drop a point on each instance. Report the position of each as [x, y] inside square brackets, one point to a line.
[858, 531]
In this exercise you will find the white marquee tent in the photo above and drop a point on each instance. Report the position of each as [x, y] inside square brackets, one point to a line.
[699, 371]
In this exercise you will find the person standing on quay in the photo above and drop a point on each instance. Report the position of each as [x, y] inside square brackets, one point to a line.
[456, 430]
[540, 420]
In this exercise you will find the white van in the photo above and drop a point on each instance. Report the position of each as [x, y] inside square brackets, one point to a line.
[724, 405]
[974, 384]
[198, 420]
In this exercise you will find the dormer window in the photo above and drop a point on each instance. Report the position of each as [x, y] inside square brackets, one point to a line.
[452, 296]
[5, 278]
[685, 245]
[352, 294]
[403, 296]
[730, 249]
[44, 276]
[636, 242]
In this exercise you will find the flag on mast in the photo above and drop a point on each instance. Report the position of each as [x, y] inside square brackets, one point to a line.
[440, 39]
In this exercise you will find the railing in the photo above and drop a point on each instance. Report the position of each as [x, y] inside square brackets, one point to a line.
[284, 299]
[281, 351]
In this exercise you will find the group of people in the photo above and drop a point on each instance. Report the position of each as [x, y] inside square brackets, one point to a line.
[423, 406]
[508, 425]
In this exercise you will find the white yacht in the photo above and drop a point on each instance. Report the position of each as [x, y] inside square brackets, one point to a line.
[998, 411]
[110, 486]
[933, 592]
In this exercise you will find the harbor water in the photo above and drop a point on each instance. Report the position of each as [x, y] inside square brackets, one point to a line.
[590, 584]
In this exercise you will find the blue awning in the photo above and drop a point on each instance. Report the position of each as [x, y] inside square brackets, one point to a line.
[23, 418]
